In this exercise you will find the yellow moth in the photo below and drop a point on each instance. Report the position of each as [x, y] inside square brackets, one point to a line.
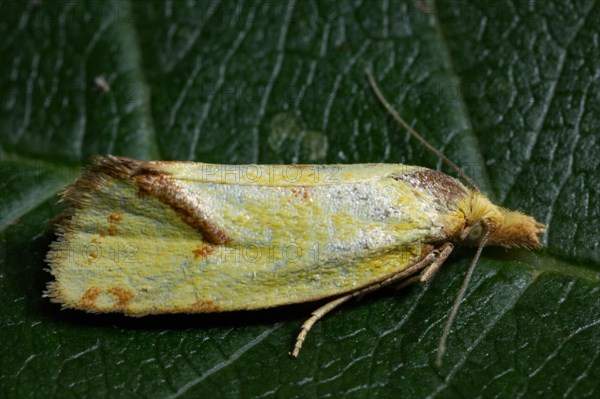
[153, 237]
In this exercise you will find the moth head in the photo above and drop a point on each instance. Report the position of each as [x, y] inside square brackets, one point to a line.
[506, 228]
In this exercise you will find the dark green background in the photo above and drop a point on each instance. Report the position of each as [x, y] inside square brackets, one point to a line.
[509, 90]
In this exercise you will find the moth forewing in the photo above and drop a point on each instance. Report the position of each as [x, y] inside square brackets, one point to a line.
[156, 237]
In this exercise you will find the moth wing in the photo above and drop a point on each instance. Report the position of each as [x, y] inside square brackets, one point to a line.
[145, 242]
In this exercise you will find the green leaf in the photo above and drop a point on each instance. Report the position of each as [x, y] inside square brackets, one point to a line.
[506, 89]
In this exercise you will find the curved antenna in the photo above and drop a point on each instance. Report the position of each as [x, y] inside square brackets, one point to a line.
[413, 133]
[459, 298]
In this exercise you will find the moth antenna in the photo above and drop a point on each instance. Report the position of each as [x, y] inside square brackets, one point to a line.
[413, 133]
[459, 297]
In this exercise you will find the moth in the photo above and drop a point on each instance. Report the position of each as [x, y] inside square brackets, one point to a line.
[155, 237]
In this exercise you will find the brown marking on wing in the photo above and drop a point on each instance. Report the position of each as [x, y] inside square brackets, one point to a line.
[204, 306]
[166, 190]
[113, 220]
[123, 297]
[445, 188]
[115, 217]
[203, 251]
[88, 300]
[92, 256]
[301, 192]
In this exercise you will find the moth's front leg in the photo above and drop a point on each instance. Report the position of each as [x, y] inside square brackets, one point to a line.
[441, 254]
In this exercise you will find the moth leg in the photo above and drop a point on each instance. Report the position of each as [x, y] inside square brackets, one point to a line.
[428, 272]
[441, 257]
[315, 316]
[407, 282]
[329, 306]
